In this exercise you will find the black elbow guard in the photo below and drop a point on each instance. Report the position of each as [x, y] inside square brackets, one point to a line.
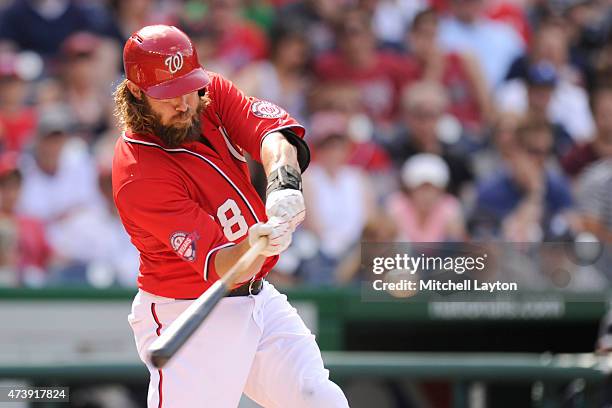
[303, 151]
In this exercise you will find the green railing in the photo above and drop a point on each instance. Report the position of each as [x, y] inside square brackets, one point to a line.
[337, 307]
[462, 370]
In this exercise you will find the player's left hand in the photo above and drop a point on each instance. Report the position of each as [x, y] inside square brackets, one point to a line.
[287, 204]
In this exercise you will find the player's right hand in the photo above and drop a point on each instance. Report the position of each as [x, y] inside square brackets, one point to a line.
[278, 232]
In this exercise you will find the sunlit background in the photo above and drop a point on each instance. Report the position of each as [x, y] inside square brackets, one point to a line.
[457, 121]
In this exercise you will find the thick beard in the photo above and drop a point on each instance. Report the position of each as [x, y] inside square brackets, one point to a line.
[174, 136]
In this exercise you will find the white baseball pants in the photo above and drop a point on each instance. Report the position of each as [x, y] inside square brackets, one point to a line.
[257, 344]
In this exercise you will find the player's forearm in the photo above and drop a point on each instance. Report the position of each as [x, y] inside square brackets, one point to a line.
[276, 151]
[226, 258]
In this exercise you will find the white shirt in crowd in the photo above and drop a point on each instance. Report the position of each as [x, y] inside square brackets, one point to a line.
[338, 207]
[75, 185]
[96, 236]
[494, 44]
[79, 225]
[391, 18]
[567, 97]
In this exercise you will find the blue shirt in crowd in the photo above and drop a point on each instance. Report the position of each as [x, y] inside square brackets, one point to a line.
[499, 196]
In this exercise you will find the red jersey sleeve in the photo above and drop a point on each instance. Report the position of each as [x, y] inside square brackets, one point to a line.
[163, 209]
[248, 120]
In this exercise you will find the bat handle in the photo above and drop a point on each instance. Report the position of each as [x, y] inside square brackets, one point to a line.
[259, 245]
[245, 261]
[173, 338]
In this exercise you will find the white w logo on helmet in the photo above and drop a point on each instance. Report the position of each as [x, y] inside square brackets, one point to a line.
[174, 62]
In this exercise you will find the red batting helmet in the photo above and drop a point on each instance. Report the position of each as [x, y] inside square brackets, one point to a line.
[163, 62]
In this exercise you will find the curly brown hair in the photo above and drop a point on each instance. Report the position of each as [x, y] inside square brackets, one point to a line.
[135, 114]
[131, 112]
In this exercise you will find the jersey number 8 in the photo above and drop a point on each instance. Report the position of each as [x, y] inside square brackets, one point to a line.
[230, 217]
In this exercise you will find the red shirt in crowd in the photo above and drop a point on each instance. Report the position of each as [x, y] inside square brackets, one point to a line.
[16, 129]
[463, 102]
[32, 246]
[242, 44]
[181, 205]
[578, 158]
[380, 84]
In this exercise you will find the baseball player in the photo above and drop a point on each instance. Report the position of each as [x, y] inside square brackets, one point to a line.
[181, 185]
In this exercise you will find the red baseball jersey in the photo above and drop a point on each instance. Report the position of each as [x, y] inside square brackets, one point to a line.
[181, 205]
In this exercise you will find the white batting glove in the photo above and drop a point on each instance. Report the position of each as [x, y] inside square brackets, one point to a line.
[287, 204]
[278, 232]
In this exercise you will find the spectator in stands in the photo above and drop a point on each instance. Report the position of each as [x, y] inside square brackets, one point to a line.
[600, 147]
[338, 196]
[43, 25]
[234, 40]
[521, 202]
[459, 73]
[206, 41]
[17, 120]
[516, 96]
[540, 81]
[23, 245]
[130, 16]
[502, 144]
[59, 176]
[513, 13]
[316, 18]
[603, 64]
[550, 45]
[594, 196]
[423, 105]
[366, 152]
[380, 228]
[423, 211]
[86, 98]
[390, 19]
[103, 248]
[260, 12]
[283, 79]
[495, 45]
[562, 271]
[594, 206]
[587, 25]
[378, 75]
[335, 96]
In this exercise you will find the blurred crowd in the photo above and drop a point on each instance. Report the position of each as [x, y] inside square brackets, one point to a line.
[429, 121]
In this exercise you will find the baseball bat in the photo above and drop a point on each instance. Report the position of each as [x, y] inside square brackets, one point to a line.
[181, 329]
